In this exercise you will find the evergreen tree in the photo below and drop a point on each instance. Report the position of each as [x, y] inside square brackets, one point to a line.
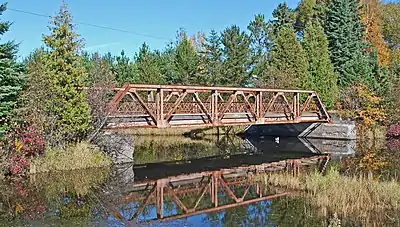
[213, 58]
[69, 105]
[372, 20]
[310, 10]
[345, 33]
[11, 74]
[186, 61]
[148, 65]
[236, 57]
[168, 63]
[124, 69]
[259, 47]
[283, 17]
[288, 61]
[321, 75]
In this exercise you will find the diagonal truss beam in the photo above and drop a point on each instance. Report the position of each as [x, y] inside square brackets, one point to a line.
[202, 106]
[249, 106]
[143, 104]
[175, 106]
[230, 101]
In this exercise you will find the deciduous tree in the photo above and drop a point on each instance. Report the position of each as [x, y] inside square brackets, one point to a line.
[391, 23]
[372, 20]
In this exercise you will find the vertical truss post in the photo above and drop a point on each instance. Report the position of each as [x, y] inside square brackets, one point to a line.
[214, 189]
[259, 107]
[160, 108]
[160, 198]
[214, 107]
[296, 106]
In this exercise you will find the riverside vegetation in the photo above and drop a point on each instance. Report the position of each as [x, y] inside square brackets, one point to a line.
[45, 115]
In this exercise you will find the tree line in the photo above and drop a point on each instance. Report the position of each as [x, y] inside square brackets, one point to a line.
[346, 50]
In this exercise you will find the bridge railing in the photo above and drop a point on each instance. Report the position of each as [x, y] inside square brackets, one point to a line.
[162, 106]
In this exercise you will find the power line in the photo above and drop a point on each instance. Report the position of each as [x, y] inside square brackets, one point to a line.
[92, 25]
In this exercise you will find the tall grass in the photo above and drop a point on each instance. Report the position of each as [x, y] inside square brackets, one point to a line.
[360, 196]
[78, 156]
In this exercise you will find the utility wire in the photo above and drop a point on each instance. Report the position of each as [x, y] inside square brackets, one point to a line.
[92, 25]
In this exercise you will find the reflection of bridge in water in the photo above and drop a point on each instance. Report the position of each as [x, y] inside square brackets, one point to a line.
[168, 191]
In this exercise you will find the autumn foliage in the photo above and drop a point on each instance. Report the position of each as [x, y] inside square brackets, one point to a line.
[373, 27]
[359, 103]
[24, 142]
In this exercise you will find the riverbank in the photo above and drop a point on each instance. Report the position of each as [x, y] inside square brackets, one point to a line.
[82, 155]
[360, 197]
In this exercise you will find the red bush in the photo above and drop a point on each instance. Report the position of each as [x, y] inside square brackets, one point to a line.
[394, 131]
[27, 140]
[24, 141]
[393, 144]
[18, 165]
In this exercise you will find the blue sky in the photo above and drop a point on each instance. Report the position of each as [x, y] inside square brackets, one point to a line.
[158, 18]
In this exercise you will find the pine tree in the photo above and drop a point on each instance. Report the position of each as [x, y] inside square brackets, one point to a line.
[321, 75]
[236, 57]
[259, 47]
[148, 65]
[124, 69]
[69, 106]
[288, 61]
[345, 32]
[283, 17]
[213, 58]
[372, 20]
[11, 75]
[310, 10]
[186, 61]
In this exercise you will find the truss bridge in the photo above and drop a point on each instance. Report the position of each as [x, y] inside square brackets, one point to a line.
[164, 106]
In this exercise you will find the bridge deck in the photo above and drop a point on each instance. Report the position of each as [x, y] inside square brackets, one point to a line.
[162, 106]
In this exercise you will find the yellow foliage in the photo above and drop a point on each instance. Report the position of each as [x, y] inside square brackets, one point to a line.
[19, 209]
[372, 20]
[358, 102]
[18, 145]
[372, 162]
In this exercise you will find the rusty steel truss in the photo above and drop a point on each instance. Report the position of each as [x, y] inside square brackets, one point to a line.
[162, 106]
[208, 191]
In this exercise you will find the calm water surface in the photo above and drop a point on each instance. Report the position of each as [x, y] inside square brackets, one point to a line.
[172, 183]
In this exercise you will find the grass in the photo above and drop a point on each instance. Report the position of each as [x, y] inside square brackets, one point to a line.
[350, 196]
[80, 182]
[78, 156]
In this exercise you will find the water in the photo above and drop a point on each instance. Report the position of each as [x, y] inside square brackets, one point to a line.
[172, 183]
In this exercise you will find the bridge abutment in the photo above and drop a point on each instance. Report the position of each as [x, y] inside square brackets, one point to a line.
[340, 130]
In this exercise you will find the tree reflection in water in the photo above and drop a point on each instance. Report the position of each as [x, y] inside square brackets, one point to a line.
[90, 197]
